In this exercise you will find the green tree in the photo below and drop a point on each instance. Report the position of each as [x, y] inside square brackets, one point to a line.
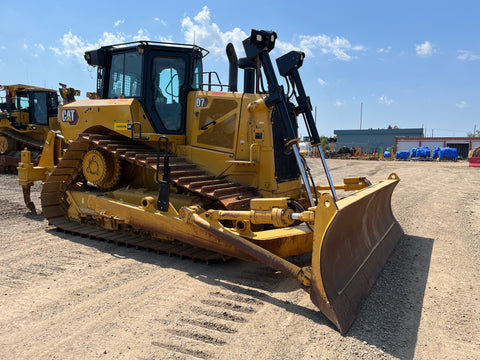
[476, 134]
[324, 142]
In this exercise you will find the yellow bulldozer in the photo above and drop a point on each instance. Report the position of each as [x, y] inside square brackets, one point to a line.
[27, 114]
[165, 157]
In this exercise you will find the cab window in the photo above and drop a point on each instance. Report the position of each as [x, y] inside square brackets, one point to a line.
[22, 101]
[197, 75]
[168, 75]
[39, 100]
[125, 75]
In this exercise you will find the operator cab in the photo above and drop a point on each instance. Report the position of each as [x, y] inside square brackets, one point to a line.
[39, 104]
[159, 75]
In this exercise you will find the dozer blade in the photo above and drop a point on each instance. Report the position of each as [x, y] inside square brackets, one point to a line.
[350, 247]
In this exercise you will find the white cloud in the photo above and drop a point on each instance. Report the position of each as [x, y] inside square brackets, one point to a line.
[322, 82]
[338, 103]
[201, 31]
[142, 35]
[161, 21]
[425, 49]
[204, 32]
[40, 47]
[285, 47]
[384, 100]
[25, 46]
[467, 55]
[384, 50]
[339, 47]
[462, 104]
[109, 39]
[74, 46]
[359, 48]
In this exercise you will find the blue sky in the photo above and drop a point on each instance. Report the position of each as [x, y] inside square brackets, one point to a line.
[410, 63]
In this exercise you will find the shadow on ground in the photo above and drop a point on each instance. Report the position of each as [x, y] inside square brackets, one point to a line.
[389, 319]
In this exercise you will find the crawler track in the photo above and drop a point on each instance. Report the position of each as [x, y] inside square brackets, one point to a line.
[184, 175]
[10, 160]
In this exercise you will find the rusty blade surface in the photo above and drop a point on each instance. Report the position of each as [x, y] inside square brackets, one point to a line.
[355, 245]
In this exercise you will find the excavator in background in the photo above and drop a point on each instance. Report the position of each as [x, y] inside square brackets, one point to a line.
[27, 114]
[159, 159]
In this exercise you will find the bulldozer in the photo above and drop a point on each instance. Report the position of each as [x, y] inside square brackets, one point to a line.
[27, 114]
[165, 157]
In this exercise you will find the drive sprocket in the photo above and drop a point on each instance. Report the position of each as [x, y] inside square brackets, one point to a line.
[101, 168]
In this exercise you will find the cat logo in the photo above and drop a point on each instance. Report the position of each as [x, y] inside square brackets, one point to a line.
[70, 116]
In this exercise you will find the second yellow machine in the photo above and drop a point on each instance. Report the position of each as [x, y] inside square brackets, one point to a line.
[160, 159]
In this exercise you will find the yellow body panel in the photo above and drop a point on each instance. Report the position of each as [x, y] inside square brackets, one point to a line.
[116, 115]
[223, 136]
[238, 145]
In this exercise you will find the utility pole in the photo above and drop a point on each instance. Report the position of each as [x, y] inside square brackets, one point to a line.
[361, 114]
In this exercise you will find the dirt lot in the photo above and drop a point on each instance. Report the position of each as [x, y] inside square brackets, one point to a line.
[67, 297]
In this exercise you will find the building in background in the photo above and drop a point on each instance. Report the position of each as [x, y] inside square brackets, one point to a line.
[374, 140]
[462, 144]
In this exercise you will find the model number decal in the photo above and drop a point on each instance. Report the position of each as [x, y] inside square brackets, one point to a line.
[201, 102]
[70, 116]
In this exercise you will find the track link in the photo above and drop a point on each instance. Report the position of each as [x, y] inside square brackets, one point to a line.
[184, 175]
[10, 160]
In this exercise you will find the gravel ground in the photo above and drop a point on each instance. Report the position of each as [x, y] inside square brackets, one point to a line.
[67, 297]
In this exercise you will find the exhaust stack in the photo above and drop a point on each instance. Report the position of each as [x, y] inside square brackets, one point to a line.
[233, 68]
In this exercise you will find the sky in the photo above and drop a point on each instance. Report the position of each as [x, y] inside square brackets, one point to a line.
[369, 64]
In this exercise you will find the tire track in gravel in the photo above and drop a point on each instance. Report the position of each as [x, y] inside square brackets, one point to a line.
[92, 307]
[210, 320]
[72, 299]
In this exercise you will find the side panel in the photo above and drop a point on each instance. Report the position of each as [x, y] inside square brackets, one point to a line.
[112, 115]
[226, 139]
[213, 120]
